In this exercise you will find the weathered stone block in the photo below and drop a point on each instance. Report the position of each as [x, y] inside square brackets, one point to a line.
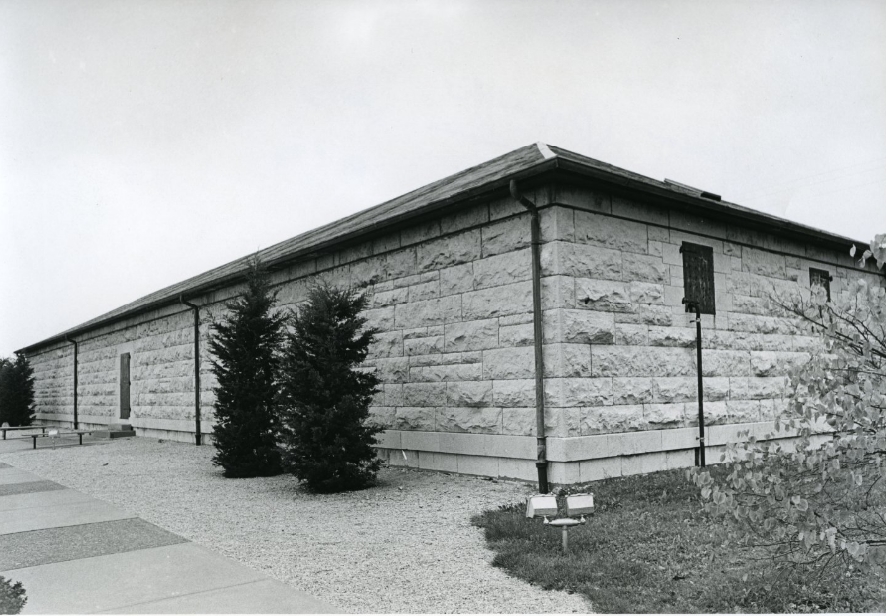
[663, 416]
[571, 392]
[562, 423]
[472, 420]
[743, 411]
[513, 393]
[675, 389]
[644, 268]
[420, 233]
[557, 223]
[762, 263]
[521, 334]
[726, 363]
[498, 301]
[754, 388]
[646, 293]
[518, 421]
[505, 236]
[632, 390]
[506, 268]
[647, 313]
[567, 360]
[462, 219]
[583, 198]
[424, 291]
[641, 361]
[457, 279]
[610, 232]
[448, 251]
[611, 419]
[716, 388]
[448, 372]
[671, 336]
[631, 334]
[382, 416]
[471, 335]
[423, 346]
[424, 394]
[469, 393]
[635, 210]
[770, 363]
[408, 418]
[557, 292]
[431, 312]
[585, 261]
[388, 298]
[387, 344]
[578, 326]
[603, 295]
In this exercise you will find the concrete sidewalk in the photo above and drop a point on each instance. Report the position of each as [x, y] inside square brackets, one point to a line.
[75, 554]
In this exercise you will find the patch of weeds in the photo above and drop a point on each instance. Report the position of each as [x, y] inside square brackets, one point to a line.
[12, 596]
[651, 548]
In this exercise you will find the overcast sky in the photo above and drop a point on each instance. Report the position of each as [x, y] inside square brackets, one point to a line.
[146, 141]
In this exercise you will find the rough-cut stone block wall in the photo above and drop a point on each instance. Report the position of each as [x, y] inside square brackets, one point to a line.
[625, 359]
[54, 379]
[161, 374]
[452, 300]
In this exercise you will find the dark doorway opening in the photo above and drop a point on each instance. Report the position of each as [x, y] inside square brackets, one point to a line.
[125, 405]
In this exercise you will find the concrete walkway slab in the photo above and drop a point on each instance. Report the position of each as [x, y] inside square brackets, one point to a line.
[72, 514]
[75, 554]
[42, 498]
[14, 475]
[263, 597]
[108, 583]
[27, 487]
[52, 545]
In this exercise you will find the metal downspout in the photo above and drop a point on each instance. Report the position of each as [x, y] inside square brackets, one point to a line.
[197, 432]
[76, 361]
[541, 462]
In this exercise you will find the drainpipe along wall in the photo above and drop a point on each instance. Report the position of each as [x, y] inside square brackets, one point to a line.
[541, 462]
[197, 432]
[76, 353]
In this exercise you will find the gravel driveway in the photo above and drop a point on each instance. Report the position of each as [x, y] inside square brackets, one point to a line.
[404, 546]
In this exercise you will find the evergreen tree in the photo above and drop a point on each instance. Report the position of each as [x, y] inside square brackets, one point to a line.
[246, 348]
[326, 396]
[16, 392]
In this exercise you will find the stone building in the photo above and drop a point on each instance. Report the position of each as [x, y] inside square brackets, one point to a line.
[450, 272]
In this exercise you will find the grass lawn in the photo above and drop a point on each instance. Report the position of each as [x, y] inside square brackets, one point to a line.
[651, 548]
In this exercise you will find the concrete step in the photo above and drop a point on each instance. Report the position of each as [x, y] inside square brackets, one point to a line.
[116, 430]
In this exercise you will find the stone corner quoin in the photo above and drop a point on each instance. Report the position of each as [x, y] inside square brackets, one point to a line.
[452, 298]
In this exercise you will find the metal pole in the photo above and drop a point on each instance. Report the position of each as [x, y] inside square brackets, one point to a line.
[565, 539]
[701, 460]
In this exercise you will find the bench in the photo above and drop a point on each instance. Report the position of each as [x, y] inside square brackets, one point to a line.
[56, 433]
[6, 429]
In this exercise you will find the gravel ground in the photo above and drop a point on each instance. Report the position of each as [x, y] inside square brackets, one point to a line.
[406, 545]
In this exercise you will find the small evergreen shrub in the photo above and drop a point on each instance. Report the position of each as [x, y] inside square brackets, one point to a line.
[325, 396]
[246, 347]
[16, 391]
[12, 596]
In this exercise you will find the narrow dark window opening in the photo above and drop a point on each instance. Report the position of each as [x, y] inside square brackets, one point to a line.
[698, 277]
[125, 406]
[821, 278]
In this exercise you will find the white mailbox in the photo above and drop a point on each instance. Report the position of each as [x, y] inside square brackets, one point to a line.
[541, 505]
[579, 504]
